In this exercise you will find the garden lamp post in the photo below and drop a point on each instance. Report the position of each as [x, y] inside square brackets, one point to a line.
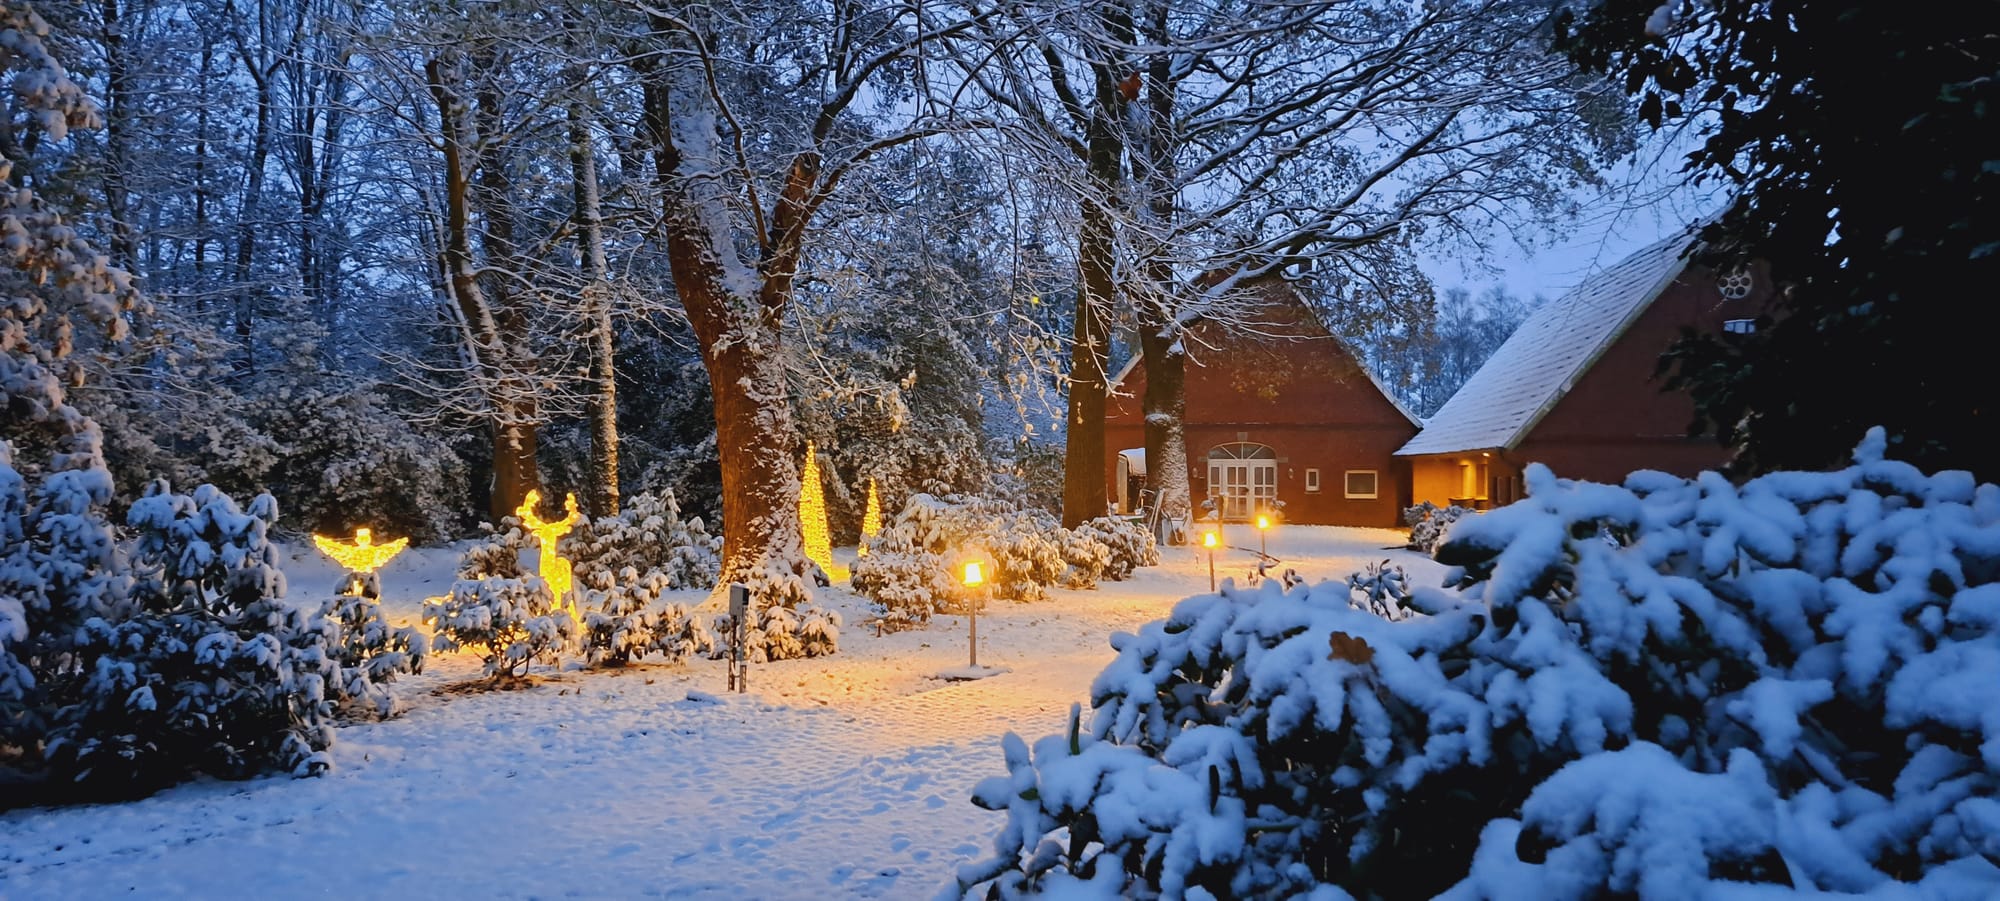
[1208, 541]
[1263, 527]
[974, 579]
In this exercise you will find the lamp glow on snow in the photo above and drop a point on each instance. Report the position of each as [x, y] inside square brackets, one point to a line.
[812, 518]
[550, 566]
[364, 556]
[871, 521]
[1263, 528]
[1208, 540]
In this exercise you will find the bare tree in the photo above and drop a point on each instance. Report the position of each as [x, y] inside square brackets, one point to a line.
[1297, 139]
[751, 137]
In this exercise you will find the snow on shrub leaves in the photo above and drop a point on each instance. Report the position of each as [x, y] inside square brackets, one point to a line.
[1670, 688]
[910, 570]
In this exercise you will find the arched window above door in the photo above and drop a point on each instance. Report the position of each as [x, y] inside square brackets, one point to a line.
[1241, 450]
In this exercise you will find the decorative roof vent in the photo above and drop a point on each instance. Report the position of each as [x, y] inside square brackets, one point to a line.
[1735, 285]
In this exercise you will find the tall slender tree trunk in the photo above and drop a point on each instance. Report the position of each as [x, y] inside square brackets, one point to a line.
[1085, 491]
[515, 433]
[117, 137]
[1163, 352]
[246, 229]
[603, 410]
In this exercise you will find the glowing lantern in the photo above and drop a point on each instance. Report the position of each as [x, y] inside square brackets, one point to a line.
[1263, 526]
[871, 521]
[1208, 541]
[364, 556]
[812, 518]
[973, 577]
[552, 568]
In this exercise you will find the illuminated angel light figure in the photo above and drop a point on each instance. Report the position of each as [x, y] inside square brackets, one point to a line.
[552, 568]
[871, 521]
[362, 558]
[812, 518]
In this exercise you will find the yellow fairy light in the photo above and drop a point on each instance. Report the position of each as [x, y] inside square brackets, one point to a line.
[871, 521]
[553, 569]
[812, 518]
[364, 555]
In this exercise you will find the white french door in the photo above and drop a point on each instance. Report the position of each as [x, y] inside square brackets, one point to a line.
[1243, 486]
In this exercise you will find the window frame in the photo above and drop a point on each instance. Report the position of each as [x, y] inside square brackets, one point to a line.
[1347, 484]
[1312, 480]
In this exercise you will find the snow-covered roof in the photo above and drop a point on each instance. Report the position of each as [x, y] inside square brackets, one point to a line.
[1135, 460]
[1543, 359]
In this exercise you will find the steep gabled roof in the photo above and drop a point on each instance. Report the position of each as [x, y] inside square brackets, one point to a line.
[1545, 357]
[1283, 295]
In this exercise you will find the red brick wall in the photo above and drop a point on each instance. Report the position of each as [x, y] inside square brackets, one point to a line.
[1616, 418]
[1306, 399]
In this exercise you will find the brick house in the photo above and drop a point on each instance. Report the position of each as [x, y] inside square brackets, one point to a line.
[1285, 416]
[1573, 387]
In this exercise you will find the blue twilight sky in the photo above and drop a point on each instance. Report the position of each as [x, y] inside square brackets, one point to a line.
[1648, 199]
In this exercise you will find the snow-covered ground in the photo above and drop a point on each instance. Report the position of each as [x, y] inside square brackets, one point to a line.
[838, 777]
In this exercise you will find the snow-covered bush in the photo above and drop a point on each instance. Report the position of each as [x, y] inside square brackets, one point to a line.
[1428, 523]
[624, 619]
[910, 569]
[784, 622]
[1381, 589]
[186, 662]
[648, 536]
[511, 624]
[497, 554]
[1130, 544]
[1670, 688]
[365, 652]
[906, 584]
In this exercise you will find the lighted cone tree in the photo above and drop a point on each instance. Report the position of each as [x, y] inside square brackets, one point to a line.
[871, 521]
[812, 518]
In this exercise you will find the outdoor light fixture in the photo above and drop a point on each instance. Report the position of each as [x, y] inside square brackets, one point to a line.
[1208, 541]
[364, 556]
[974, 578]
[552, 568]
[1263, 526]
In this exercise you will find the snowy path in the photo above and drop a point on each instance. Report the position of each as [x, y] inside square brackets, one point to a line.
[837, 778]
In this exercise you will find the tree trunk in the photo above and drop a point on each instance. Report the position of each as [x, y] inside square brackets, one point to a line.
[515, 472]
[1085, 492]
[117, 137]
[1161, 329]
[485, 332]
[1165, 406]
[740, 338]
[603, 495]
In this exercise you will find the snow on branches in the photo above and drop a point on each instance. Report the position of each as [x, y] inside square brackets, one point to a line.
[1666, 688]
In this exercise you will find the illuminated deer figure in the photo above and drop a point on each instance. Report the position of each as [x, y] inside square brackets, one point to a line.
[553, 569]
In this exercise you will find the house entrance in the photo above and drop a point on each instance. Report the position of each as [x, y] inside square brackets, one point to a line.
[1243, 477]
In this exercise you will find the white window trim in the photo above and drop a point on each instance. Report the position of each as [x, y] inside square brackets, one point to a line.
[1312, 480]
[1347, 485]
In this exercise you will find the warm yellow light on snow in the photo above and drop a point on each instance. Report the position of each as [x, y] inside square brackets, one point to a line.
[972, 575]
[812, 518]
[552, 568]
[871, 521]
[364, 555]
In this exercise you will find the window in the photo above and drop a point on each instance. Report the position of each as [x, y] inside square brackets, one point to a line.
[1735, 285]
[1312, 480]
[1739, 326]
[1361, 483]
